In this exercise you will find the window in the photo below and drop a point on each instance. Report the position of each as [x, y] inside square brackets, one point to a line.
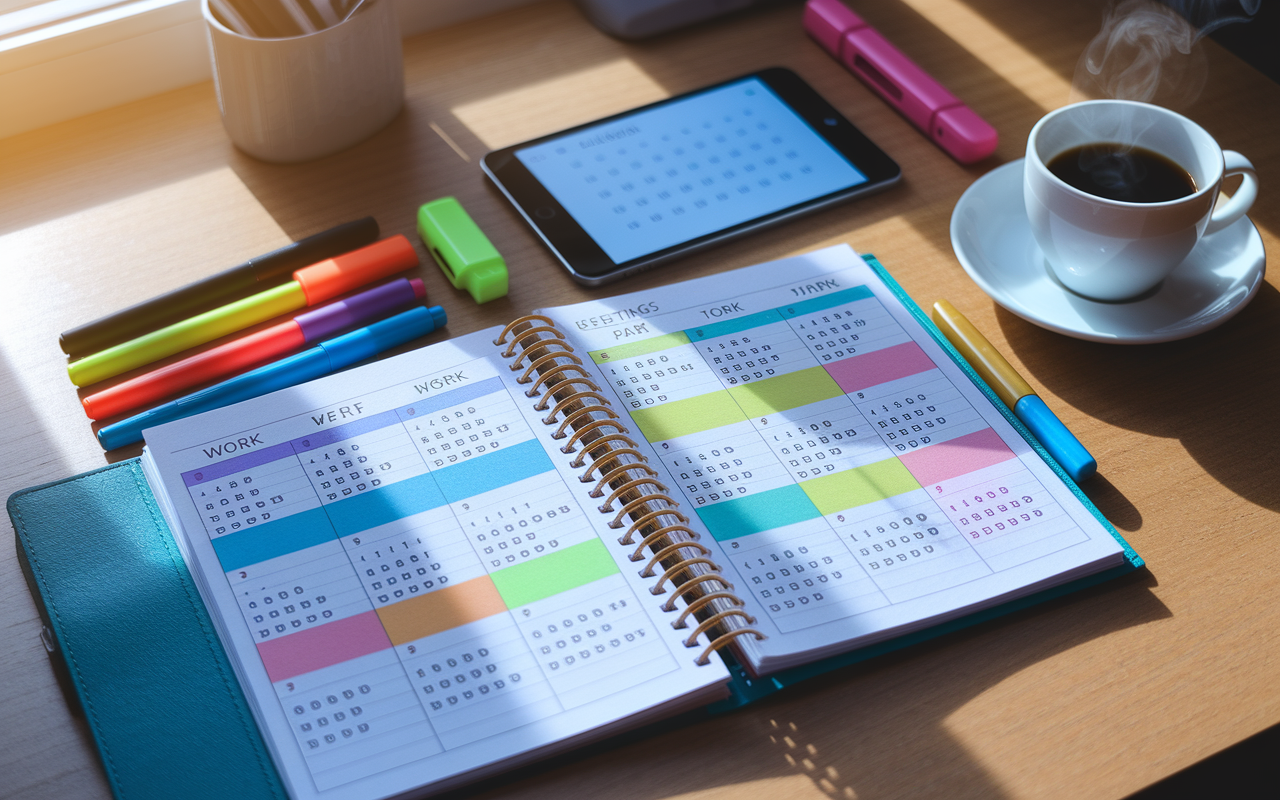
[63, 58]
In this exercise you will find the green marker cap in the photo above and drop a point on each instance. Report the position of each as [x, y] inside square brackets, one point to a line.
[465, 255]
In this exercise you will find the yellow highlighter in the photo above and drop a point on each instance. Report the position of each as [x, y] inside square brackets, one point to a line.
[1015, 392]
[317, 283]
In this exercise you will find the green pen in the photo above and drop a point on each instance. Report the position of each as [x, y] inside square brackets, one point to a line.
[310, 285]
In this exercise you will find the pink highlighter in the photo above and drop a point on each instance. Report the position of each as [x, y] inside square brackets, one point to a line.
[951, 124]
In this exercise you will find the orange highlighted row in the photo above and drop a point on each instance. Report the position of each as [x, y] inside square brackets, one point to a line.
[441, 610]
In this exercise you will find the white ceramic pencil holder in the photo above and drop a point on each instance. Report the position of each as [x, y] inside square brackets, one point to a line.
[302, 97]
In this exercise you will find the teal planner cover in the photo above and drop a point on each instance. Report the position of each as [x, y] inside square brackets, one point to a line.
[138, 653]
[135, 647]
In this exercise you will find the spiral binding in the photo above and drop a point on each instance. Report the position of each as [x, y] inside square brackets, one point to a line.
[596, 435]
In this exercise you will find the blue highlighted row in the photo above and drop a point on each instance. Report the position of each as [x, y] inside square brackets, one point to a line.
[273, 539]
[381, 505]
[450, 398]
[493, 470]
[434, 489]
[759, 512]
[823, 302]
[731, 326]
[347, 430]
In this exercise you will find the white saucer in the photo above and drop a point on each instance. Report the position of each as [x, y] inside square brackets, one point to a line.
[990, 235]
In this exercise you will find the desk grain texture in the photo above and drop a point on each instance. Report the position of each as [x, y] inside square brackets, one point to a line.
[1094, 695]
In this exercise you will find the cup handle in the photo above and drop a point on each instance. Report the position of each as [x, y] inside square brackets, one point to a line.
[1240, 202]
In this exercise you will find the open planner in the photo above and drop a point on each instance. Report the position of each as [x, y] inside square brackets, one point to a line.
[443, 564]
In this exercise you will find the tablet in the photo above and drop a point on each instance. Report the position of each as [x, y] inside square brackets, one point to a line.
[629, 192]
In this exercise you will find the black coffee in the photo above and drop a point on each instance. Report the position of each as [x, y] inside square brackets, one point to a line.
[1122, 172]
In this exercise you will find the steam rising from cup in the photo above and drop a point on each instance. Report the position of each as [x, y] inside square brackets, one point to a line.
[1149, 52]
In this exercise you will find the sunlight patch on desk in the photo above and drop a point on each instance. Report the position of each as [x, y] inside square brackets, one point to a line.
[1070, 737]
[1267, 233]
[806, 757]
[791, 787]
[875, 238]
[1018, 66]
[145, 244]
[540, 108]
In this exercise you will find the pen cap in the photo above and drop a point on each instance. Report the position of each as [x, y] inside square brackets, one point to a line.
[465, 255]
[276, 266]
[965, 135]
[985, 359]
[341, 274]
[828, 20]
[354, 347]
[358, 309]
[1061, 443]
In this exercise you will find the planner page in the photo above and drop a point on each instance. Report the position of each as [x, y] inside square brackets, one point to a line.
[413, 586]
[857, 483]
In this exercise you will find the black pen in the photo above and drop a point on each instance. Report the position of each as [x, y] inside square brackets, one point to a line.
[251, 277]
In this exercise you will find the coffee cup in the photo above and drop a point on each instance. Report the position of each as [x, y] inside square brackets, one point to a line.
[301, 97]
[1119, 246]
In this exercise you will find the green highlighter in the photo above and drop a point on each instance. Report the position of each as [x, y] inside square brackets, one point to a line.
[465, 255]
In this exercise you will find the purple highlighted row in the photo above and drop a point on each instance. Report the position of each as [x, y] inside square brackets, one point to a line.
[302, 444]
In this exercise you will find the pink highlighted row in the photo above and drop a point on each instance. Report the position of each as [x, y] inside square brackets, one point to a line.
[935, 463]
[880, 366]
[323, 646]
[955, 457]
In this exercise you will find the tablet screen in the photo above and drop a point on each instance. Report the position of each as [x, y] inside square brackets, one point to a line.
[677, 171]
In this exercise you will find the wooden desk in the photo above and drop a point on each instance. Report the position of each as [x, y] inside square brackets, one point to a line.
[1095, 695]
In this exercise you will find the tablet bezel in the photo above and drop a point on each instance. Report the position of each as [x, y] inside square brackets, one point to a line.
[585, 259]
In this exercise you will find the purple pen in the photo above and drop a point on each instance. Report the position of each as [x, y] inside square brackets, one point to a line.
[256, 349]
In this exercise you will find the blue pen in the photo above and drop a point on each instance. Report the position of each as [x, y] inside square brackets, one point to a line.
[324, 358]
[1015, 392]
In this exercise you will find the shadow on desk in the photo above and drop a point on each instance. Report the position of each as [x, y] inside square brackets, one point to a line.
[873, 730]
[1201, 391]
[1244, 770]
[30, 690]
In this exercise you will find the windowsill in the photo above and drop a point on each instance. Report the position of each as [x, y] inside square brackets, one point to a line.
[127, 52]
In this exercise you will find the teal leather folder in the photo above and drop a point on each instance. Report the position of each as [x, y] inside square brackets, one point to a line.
[133, 644]
[137, 652]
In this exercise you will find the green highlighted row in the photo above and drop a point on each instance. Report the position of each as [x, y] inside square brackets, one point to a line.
[641, 348]
[784, 392]
[683, 417]
[788, 505]
[554, 573]
[749, 400]
[860, 486]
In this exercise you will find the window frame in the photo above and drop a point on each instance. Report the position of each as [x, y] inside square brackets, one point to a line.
[125, 51]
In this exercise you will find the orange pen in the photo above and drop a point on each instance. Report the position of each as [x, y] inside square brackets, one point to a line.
[256, 349]
[310, 286]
